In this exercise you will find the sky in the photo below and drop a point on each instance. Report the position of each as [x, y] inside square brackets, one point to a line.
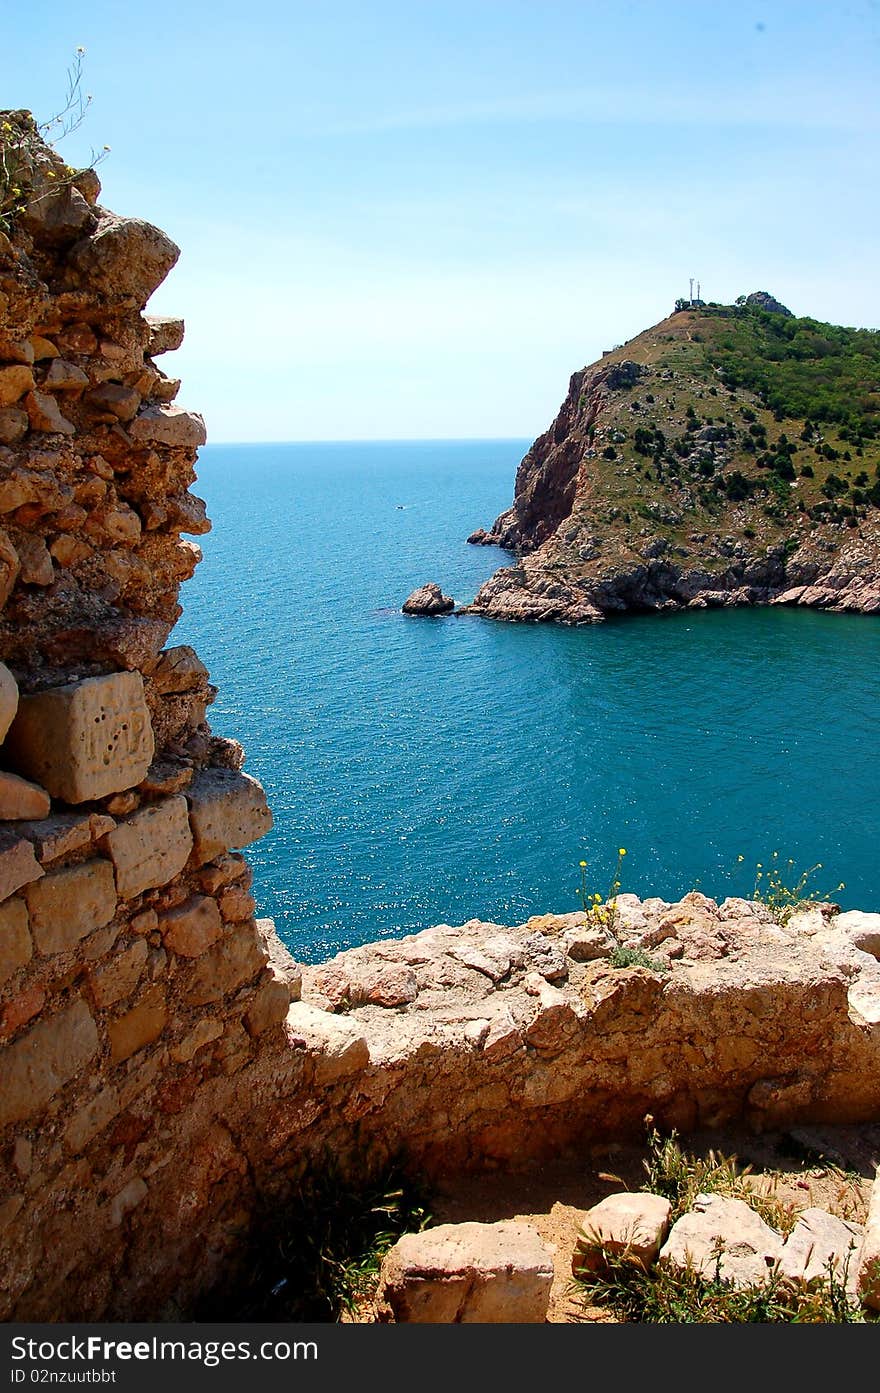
[416, 218]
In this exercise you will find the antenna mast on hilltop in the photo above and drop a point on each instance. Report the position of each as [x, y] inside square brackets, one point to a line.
[698, 290]
[692, 290]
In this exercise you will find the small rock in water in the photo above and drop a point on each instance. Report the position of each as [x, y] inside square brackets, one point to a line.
[428, 599]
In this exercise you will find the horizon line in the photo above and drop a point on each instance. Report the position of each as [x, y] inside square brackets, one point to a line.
[379, 440]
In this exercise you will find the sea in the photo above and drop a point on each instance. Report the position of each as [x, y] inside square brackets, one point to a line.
[425, 771]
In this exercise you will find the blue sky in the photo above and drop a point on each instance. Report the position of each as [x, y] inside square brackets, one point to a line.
[417, 219]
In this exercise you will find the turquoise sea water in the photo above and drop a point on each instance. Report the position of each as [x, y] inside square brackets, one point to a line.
[424, 771]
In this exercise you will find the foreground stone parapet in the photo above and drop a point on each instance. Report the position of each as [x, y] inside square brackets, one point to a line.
[227, 809]
[467, 1273]
[86, 739]
[18, 864]
[633, 1224]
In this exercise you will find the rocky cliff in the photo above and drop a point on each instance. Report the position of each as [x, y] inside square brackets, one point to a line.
[728, 455]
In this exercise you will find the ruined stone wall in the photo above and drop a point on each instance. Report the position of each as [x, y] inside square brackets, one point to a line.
[131, 968]
[165, 1067]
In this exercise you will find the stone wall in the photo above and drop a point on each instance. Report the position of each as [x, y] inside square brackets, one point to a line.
[165, 1066]
[131, 968]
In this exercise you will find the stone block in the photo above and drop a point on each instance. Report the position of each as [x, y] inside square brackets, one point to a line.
[14, 425]
[191, 928]
[268, 1008]
[282, 964]
[84, 740]
[726, 1235]
[67, 905]
[8, 699]
[168, 425]
[630, 1223]
[178, 669]
[18, 864]
[60, 834]
[820, 1241]
[204, 1033]
[45, 415]
[122, 258]
[863, 930]
[14, 382]
[166, 334]
[226, 966]
[20, 799]
[337, 1044]
[454, 1274]
[15, 940]
[20, 1010]
[39, 1064]
[91, 1119]
[151, 847]
[868, 1271]
[140, 1026]
[117, 979]
[227, 809]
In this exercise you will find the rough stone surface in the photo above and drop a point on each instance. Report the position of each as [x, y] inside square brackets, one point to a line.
[85, 739]
[821, 1243]
[862, 929]
[40, 1063]
[227, 809]
[8, 700]
[18, 864]
[66, 905]
[191, 928]
[123, 257]
[20, 799]
[726, 1236]
[467, 1273]
[630, 1223]
[151, 847]
[168, 425]
[428, 599]
[868, 1270]
[15, 940]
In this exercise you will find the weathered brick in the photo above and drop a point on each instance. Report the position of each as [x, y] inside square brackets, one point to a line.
[118, 978]
[8, 699]
[85, 740]
[91, 1119]
[237, 904]
[138, 1027]
[18, 864]
[227, 809]
[67, 905]
[204, 1033]
[234, 960]
[151, 847]
[19, 798]
[58, 835]
[39, 1064]
[191, 928]
[269, 1007]
[21, 1009]
[15, 940]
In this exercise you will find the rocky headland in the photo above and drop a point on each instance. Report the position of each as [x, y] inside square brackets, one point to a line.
[726, 456]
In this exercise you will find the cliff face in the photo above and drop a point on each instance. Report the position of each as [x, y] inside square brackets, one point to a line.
[686, 470]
